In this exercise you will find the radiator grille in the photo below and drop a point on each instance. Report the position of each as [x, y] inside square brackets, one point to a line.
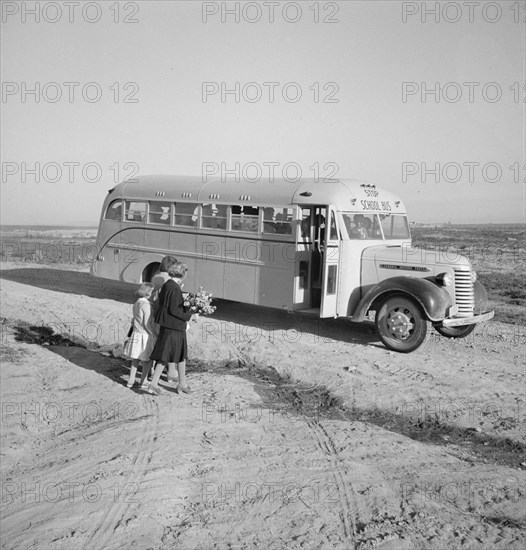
[464, 296]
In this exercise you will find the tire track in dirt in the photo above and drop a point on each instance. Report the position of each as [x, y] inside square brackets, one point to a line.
[118, 510]
[325, 443]
[402, 370]
[346, 492]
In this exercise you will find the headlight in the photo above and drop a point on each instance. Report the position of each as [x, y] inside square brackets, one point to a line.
[444, 279]
[473, 276]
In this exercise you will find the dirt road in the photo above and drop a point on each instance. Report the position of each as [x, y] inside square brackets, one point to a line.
[301, 433]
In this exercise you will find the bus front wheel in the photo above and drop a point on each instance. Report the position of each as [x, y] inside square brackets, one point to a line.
[149, 272]
[401, 324]
[455, 332]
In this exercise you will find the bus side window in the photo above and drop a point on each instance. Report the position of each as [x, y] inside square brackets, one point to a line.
[186, 214]
[135, 211]
[114, 211]
[277, 220]
[284, 221]
[221, 216]
[268, 220]
[160, 212]
[245, 218]
[214, 216]
[236, 218]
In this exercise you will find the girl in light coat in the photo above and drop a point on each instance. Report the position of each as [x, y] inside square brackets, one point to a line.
[140, 344]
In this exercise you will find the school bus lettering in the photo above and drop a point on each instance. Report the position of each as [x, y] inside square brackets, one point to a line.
[370, 205]
[376, 205]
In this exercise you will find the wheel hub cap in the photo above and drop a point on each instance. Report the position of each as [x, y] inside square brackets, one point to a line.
[400, 325]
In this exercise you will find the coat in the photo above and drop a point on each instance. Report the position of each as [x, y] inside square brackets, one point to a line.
[140, 343]
[170, 313]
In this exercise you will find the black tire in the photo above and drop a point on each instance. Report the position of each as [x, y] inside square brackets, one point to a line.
[401, 324]
[455, 332]
[149, 272]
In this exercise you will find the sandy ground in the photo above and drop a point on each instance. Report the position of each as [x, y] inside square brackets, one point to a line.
[301, 433]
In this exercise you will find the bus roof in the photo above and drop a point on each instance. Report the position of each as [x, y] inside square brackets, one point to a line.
[344, 194]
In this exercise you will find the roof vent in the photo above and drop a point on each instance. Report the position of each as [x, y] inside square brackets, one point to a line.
[306, 194]
[186, 195]
[213, 196]
[244, 197]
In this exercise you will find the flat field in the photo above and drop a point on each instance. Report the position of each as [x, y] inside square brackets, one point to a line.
[300, 432]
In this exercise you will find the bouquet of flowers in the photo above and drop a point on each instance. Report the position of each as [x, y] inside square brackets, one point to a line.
[199, 302]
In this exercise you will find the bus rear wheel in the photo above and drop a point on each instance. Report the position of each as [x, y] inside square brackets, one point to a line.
[455, 332]
[150, 271]
[401, 324]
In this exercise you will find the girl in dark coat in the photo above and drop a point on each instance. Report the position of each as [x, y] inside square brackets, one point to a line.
[172, 318]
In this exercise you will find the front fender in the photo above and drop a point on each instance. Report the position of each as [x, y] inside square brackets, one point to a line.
[435, 300]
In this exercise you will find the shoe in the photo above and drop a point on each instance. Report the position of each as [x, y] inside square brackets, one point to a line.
[154, 390]
[183, 389]
[130, 383]
[145, 385]
[171, 378]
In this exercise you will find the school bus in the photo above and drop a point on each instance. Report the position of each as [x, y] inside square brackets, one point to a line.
[333, 249]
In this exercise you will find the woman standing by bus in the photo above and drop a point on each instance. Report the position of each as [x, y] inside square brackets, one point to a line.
[171, 344]
[158, 281]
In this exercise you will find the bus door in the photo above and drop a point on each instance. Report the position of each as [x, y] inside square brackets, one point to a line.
[318, 251]
[329, 244]
[308, 276]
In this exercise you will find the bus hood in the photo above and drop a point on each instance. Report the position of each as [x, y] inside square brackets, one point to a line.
[413, 261]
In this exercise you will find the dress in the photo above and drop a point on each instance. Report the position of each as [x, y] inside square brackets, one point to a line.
[171, 344]
[142, 340]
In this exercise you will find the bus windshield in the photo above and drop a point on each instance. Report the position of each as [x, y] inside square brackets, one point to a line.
[383, 226]
[394, 226]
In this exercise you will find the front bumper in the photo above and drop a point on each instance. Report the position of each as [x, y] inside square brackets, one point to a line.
[468, 320]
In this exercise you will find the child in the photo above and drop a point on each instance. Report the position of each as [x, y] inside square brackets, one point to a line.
[359, 231]
[140, 344]
[172, 317]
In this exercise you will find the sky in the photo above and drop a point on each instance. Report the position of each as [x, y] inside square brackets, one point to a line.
[429, 105]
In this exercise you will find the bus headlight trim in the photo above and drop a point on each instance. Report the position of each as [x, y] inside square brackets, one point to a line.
[444, 279]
